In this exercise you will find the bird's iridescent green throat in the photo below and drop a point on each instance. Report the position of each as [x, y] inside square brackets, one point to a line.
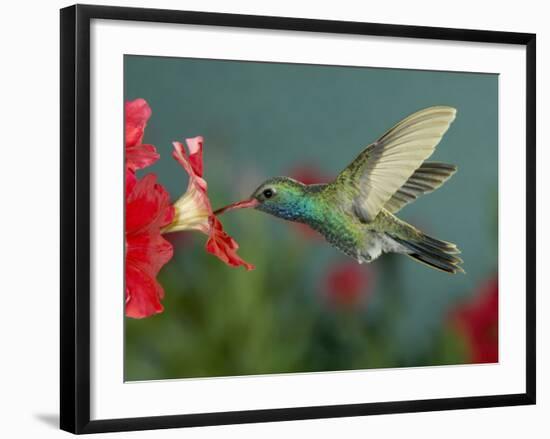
[289, 199]
[285, 198]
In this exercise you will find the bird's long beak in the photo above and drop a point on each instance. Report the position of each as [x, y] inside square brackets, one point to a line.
[252, 202]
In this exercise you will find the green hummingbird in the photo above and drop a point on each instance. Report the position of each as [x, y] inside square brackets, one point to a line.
[356, 212]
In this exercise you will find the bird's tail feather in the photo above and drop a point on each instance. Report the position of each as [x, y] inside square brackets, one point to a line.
[438, 254]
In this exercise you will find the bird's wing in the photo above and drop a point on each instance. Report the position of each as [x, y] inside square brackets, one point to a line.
[386, 165]
[427, 178]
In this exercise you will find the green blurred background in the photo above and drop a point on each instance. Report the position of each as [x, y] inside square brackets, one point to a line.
[307, 307]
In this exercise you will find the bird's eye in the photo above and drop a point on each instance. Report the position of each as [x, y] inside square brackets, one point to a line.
[268, 193]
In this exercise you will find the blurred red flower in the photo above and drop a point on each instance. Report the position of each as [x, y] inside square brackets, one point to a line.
[193, 208]
[477, 321]
[307, 174]
[148, 210]
[138, 156]
[348, 284]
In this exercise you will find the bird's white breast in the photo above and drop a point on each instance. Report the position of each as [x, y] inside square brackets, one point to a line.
[377, 244]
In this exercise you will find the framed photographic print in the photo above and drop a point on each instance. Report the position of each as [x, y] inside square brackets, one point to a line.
[268, 218]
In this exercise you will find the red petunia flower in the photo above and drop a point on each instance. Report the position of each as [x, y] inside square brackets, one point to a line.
[477, 320]
[138, 156]
[194, 211]
[148, 210]
[348, 284]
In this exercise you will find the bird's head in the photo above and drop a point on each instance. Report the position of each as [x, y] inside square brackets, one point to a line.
[278, 196]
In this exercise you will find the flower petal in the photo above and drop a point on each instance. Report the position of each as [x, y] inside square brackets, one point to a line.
[143, 293]
[140, 156]
[192, 211]
[192, 163]
[148, 251]
[137, 114]
[131, 181]
[224, 246]
[147, 205]
[148, 209]
[195, 153]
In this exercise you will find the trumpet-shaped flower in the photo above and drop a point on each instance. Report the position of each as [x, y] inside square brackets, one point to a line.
[193, 210]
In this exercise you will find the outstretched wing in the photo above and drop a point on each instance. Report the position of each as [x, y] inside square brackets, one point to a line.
[386, 165]
[427, 178]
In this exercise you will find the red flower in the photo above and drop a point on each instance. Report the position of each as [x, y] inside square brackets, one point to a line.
[194, 211]
[348, 284]
[477, 320]
[308, 174]
[138, 156]
[148, 209]
[149, 212]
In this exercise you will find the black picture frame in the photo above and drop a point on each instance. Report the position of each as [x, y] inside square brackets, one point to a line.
[75, 217]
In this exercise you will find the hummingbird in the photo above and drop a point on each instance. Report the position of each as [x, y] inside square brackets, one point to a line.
[356, 212]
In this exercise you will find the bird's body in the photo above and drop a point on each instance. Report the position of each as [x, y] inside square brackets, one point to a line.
[355, 212]
[324, 209]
